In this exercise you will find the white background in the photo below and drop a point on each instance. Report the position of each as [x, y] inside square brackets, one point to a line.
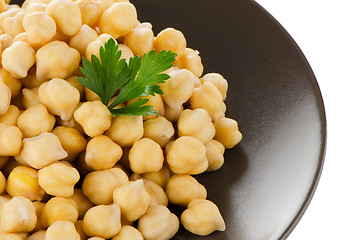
[329, 32]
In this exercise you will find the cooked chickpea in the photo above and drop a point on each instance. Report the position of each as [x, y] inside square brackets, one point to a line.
[157, 194]
[126, 130]
[171, 39]
[227, 132]
[102, 153]
[58, 179]
[166, 227]
[159, 130]
[67, 16]
[56, 60]
[81, 40]
[218, 80]
[30, 80]
[140, 39]
[94, 117]
[10, 140]
[9, 13]
[61, 230]
[39, 27]
[93, 49]
[10, 236]
[42, 150]
[191, 60]
[90, 10]
[39, 206]
[71, 123]
[208, 97]
[182, 189]
[98, 186]
[187, 155]
[39, 235]
[72, 80]
[23, 181]
[35, 7]
[146, 156]
[155, 101]
[30, 97]
[160, 178]
[82, 201]
[202, 217]
[35, 120]
[118, 20]
[13, 83]
[133, 199]
[173, 114]
[96, 238]
[5, 39]
[215, 155]
[58, 209]
[2, 182]
[178, 89]
[102, 221]
[13, 25]
[18, 59]
[11, 116]
[59, 97]
[128, 233]
[18, 215]
[90, 95]
[196, 123]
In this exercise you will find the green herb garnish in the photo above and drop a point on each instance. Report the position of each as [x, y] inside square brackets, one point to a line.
[139, 78]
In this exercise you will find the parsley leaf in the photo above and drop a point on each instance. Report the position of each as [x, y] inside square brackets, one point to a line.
[139, 78]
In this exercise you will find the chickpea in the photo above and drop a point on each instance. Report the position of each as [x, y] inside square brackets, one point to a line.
[58, 179]
[39, 206]
[67, 16]
[227, 132]
[59, 97]
[159, 130]
[72, 80]
[196, 123]
[182, 189]
[30, 80]
[23, 181]
[72, 123]
[90, 95]
[39, 235]
[133, 199]
[107, 4]
[155, 101]
[30, 97]
[2, 182]
[10, 236]
[13, 83]
[18, 215]
[218, 80]
[215, 155]
[202, 217]
[187, 155]
[6, 14]
[61, 230]
[128, 232]
[35, 120]
[82, 201]
[93, 49]
[178, 89]
[10, 140]
[166, 227]
[59, 36]
[94, 117]
[12, 25]
[191, 60]
[160, 178]
[126, 52]
[56, 60]
[173, 114]
[91, 11]
[126, 130]
[102, 221]
[102, 153]
[118, 20]
[158, 196]
[79, 227]
[35, 7]
[98, 186]
[11, 116]
[96, 238]
[81, 40]
[208, 97]
[5, 39]
[58, 209]
[42, 150]
[140, 39]
[39, 27]
[18, 59]
[171, 39]
[146, 156]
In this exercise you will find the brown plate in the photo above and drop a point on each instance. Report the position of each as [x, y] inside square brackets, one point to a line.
[269, 179]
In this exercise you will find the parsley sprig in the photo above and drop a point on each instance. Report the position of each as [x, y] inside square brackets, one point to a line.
[139, 78]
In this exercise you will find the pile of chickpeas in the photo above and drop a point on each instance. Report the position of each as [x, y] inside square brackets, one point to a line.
[69, 169]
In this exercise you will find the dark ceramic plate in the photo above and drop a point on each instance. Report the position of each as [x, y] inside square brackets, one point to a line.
[269, 178]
